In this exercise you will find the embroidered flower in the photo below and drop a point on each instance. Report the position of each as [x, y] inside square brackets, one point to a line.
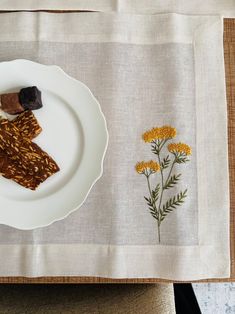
[147, 167]
[162, 133]
[179, 148]
[157, 203]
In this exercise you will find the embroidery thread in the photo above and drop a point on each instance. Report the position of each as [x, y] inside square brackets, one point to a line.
[158, 137]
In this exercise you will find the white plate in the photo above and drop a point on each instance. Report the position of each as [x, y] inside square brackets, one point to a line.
[74, 134]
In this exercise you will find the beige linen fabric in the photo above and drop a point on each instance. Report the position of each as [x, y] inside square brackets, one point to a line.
[145, 70]
[194, 7]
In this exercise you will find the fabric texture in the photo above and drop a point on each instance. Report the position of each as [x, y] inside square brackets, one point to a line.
[194, 7]
[86, 299]
[146, 71]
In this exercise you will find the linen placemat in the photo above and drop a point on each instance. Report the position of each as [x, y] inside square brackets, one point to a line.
[194, 7]
[143, 78]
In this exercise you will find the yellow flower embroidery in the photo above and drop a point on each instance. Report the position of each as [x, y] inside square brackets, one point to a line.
[167, 179]
[180, 148]
[162, 133]
[147, 167]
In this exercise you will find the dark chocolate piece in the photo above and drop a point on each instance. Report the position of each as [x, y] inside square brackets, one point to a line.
[30, 98]
[10, 103]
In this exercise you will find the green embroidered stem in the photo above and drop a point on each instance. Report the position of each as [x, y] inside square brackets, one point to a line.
[162, 144]
[173, 163]
[162, 184]
[155, 208]
[149, 187]
[158, 229]
[151, 195]
[162, 177]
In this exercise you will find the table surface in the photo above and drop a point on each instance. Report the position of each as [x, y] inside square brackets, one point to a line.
[229, 55]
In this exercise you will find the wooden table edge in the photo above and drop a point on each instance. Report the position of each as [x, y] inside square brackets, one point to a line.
[98, 280]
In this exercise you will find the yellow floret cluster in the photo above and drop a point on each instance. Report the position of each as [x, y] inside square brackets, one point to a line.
[162, 133]
[143, 166]
[180, 148]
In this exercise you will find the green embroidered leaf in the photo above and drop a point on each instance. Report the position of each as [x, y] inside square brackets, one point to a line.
[148, 200]
[155, 193]
[181, 160]
[166, 162]
[154, 215]
[172, 203]
[153, 212]
[155, 149]
[173, 180]
[151, 206]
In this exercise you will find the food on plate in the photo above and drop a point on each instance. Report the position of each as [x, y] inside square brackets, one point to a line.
[28, 155]
[28, 98]
[22, 160]
[27, 124]
[10, 103]
[10, 170]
